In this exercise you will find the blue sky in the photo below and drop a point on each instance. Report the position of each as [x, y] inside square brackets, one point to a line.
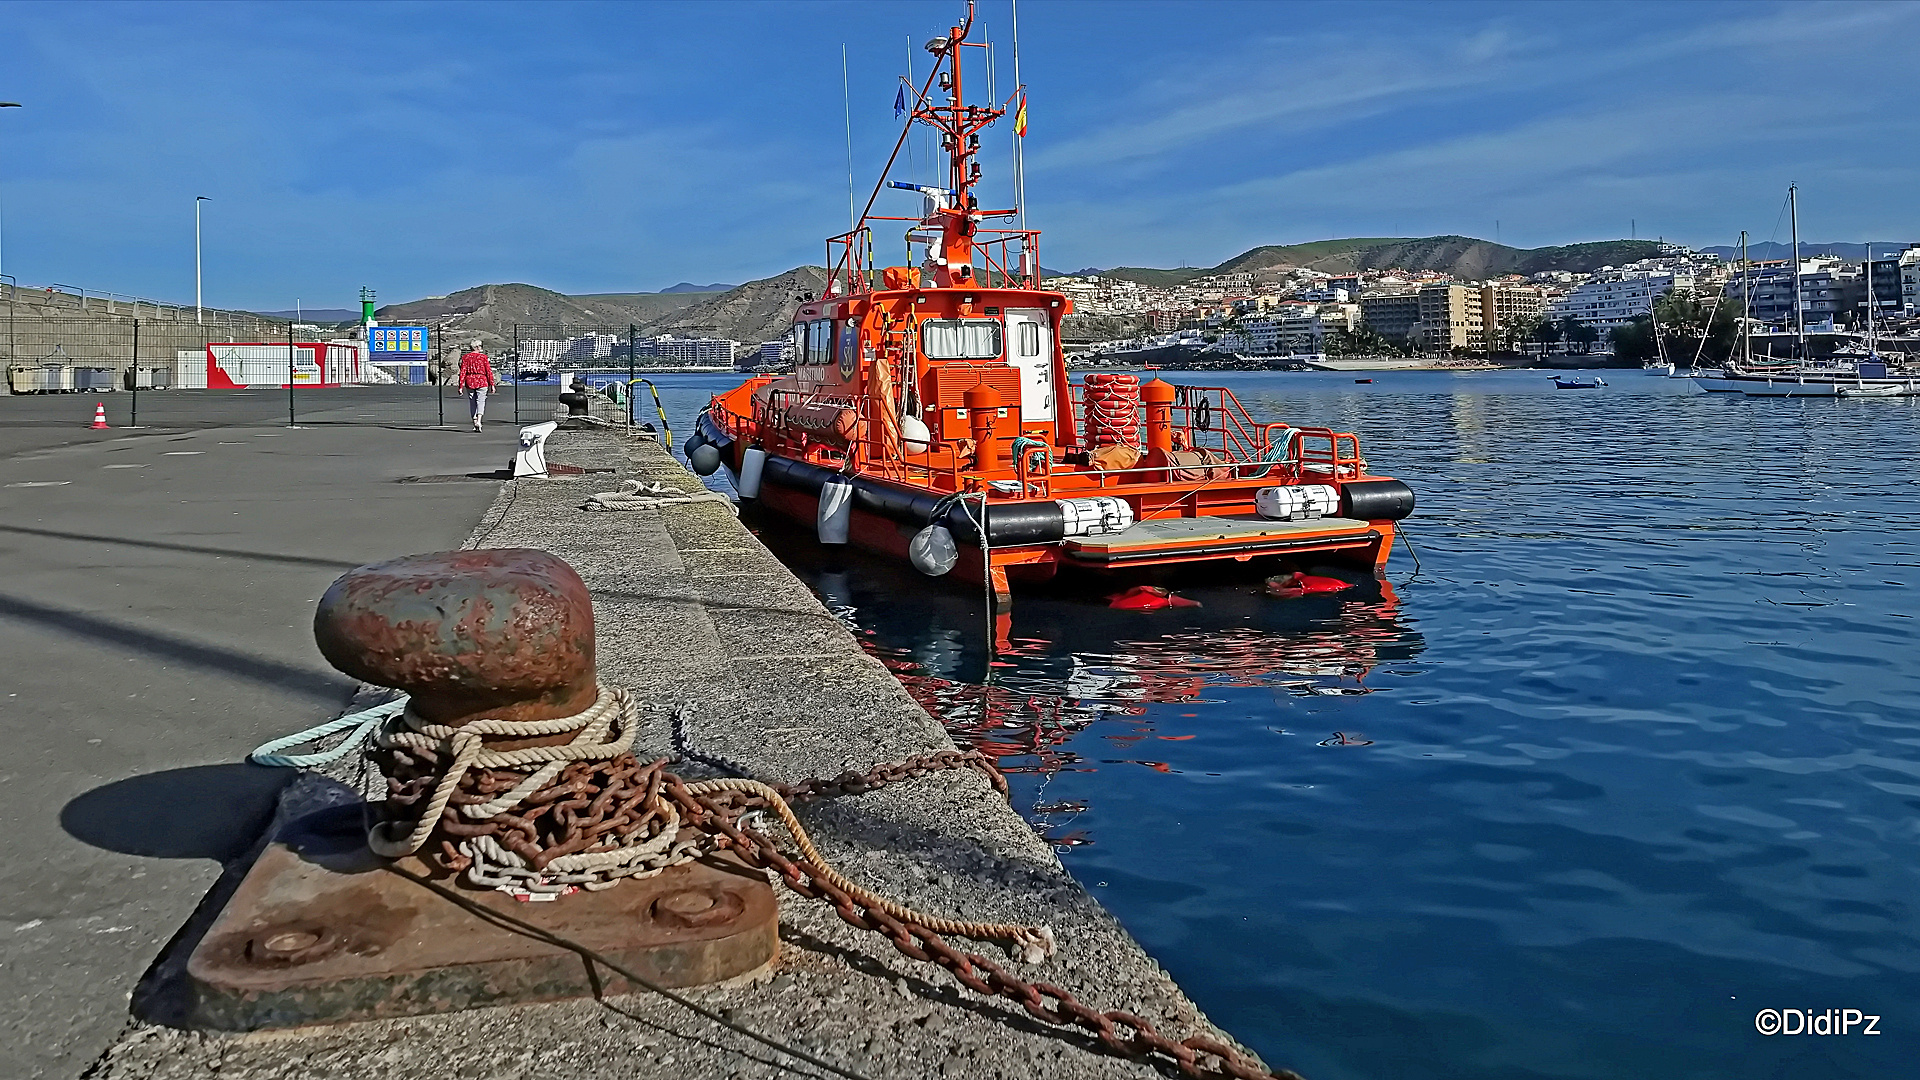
[423, 148]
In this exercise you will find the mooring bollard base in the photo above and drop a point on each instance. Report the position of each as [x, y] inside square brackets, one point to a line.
[302, 943]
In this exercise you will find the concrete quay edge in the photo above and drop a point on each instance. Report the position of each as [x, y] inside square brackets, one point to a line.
[691, 607]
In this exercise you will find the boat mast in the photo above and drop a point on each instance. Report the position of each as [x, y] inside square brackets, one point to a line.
[1746, 301]
[1870, 340]
[1799, 316]
[1019, 143]
[959, 125]
[1653, 314]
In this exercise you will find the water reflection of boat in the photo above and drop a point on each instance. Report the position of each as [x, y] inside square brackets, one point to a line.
[1071, 667]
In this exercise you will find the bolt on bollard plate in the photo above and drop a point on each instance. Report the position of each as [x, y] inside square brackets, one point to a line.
[301, 944]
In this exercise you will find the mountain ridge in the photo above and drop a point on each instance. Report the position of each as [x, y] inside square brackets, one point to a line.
[762, 310]
[1461, 256]
[1769, 250]
[497, 314]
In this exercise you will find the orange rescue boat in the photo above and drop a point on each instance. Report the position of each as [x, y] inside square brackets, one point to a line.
[931, 399]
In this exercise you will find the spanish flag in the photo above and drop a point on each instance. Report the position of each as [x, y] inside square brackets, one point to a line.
[1020, 118]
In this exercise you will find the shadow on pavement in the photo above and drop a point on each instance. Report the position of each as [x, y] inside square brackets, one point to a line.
[325, 689]
[203, 812]
[191, 549]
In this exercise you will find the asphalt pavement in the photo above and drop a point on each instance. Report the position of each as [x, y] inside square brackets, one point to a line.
[157, 588]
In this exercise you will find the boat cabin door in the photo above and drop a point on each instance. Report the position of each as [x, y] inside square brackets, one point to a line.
[1030, 348]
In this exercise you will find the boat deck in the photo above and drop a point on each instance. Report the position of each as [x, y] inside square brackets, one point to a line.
[1158, 539]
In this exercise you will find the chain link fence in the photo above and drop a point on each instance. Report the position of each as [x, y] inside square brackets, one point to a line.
[229, 368]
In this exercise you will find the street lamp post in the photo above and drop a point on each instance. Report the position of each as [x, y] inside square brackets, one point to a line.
[197, 200]
[3, 265]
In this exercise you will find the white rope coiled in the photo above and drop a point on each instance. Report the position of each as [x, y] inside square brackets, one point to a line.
[603, 733]
[640, 495]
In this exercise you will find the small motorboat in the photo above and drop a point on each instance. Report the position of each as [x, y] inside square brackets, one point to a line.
[1578, 383]
[1363, 380]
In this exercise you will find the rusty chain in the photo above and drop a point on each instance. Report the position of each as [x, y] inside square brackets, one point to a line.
[605, 803]
[1141, 1038]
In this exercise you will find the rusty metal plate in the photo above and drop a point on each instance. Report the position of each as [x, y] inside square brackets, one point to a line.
[331, 936]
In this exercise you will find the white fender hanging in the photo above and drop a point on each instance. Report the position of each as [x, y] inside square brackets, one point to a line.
[836, 511]
[752, 464]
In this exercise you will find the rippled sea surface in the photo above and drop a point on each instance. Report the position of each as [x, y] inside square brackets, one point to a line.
[1634, 755]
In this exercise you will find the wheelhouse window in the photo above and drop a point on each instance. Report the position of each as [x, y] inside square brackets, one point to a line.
[818, 342]
[1029, 339]
[961, 339]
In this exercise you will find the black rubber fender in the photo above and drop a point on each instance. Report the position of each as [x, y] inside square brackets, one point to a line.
[1008, 524]
[1376, 500]
[797, 475]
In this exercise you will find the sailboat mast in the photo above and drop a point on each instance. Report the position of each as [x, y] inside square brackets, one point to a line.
[1870, 301]
[1653, 315]
[1746, 301]
[1799, 315]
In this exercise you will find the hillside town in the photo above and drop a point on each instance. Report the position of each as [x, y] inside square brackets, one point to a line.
[1302, 314]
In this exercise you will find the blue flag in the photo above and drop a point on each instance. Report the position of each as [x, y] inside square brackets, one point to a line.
[900, 102]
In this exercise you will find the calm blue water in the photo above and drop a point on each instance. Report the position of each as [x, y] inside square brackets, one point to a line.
[1633, 756]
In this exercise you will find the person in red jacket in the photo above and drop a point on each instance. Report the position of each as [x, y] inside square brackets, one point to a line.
[476, 378]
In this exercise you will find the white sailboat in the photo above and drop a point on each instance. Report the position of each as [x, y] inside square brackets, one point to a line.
[1837, 376]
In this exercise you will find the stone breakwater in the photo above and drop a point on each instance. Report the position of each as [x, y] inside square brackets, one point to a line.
[690, 608]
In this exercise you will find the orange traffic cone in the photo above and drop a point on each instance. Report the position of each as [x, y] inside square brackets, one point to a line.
[100, 416]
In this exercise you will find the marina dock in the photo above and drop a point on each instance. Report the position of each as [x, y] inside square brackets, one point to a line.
[691, 610]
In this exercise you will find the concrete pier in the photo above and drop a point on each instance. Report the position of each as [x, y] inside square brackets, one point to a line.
[690, 607]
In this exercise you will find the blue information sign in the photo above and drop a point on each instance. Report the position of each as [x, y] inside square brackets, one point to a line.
[409, 341]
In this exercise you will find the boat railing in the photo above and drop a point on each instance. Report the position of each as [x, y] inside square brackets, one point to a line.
[850, 264]
[1012, 254]
[1208, 419]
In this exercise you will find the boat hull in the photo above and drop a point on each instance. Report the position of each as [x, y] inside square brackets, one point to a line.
[1816, 385]
[1234, 541]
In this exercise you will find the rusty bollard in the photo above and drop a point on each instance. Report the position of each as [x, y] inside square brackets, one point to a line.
[502, 633]
[505, 634]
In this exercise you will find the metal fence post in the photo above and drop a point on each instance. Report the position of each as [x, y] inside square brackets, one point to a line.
[290, 375]
[13, 287]
[632, 332]
[134, 420]
[440, 371]
[516, 374]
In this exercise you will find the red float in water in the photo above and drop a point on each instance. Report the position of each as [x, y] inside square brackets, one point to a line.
[1288, 586]
[1148, 598]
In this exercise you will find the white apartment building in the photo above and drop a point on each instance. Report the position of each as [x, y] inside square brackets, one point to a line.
[1290, 330]
[717, 352]
[591, 346]
[1616, 297]
[541, 352]
[1910, 280]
